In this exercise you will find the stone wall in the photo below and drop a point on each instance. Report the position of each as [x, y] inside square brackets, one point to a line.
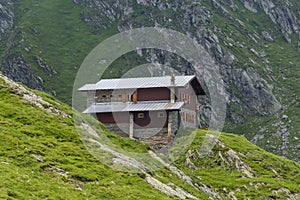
[157, 138]
[157, 141]
[145, 133]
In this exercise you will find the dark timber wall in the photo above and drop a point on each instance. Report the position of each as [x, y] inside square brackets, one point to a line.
[153, 94]
[153, 119]
[109, 118]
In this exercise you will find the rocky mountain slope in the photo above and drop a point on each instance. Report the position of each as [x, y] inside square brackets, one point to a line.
[42, 157]
[255, 44]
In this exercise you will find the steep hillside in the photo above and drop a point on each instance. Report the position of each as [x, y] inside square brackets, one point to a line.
[42, 156]
[255, 43]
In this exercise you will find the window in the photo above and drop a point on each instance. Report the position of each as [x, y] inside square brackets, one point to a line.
[185, 97]
[183, 116]
[181, 96]
[140, 115]
[160, 114]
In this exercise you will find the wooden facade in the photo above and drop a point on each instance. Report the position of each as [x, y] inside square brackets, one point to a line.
[153, 94]
[148, 108]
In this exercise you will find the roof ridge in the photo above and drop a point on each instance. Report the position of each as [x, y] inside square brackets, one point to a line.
[138, 82]
[143, 77]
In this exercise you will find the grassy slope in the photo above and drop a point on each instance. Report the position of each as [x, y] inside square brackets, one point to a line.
[59, 36]
[27, 130]
[212, 171]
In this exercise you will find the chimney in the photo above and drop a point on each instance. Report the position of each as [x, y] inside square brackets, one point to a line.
[172, 79]
[172, 89]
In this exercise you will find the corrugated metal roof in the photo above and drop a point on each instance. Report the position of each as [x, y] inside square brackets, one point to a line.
[126, 107]
[133, 83]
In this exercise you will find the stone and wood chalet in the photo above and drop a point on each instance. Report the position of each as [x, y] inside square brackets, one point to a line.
[149, 109]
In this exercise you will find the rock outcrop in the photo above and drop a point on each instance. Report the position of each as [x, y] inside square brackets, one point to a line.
[46, 68]
[281, 14]
[6, 18]
[228, 158]
[255, 92]
[19, 70]
[31, 98]
[110, 11]
[13, 65]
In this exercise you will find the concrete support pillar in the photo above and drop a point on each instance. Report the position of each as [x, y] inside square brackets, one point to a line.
[178, 120]
[172, 94]
[169, 132]
[131, 122]
[169, 127]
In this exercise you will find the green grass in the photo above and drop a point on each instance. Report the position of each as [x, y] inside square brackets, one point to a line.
[59, 36]
[27, 130]
[212, 171]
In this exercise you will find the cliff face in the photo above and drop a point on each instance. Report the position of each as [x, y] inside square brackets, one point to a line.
[13, 64]
[18, 69]
[255, 44]
[282, 15]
